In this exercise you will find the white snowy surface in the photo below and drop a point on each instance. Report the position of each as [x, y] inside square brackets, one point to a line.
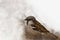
[11, 27]
[12, 12]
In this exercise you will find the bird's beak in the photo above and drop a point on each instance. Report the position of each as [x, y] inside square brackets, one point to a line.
[25, 19]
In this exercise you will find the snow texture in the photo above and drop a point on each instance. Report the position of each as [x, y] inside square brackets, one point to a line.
[11, 12]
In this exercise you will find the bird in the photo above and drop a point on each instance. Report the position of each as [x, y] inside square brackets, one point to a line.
[36, 25]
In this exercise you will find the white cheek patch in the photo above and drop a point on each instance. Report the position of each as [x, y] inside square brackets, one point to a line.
[29, 27]
[30, 22]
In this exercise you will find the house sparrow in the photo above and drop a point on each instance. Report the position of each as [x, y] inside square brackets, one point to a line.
[36, 25]
[33, 24]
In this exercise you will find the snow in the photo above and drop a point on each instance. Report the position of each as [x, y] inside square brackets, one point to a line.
[11, 27]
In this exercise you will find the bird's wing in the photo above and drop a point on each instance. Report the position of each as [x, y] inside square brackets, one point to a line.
[34, 27]
[40, 27]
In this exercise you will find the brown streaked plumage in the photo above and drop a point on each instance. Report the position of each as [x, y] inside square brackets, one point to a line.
[30, 34]
[38, 26]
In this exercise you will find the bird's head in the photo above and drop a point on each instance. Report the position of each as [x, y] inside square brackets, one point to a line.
[30, 18]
